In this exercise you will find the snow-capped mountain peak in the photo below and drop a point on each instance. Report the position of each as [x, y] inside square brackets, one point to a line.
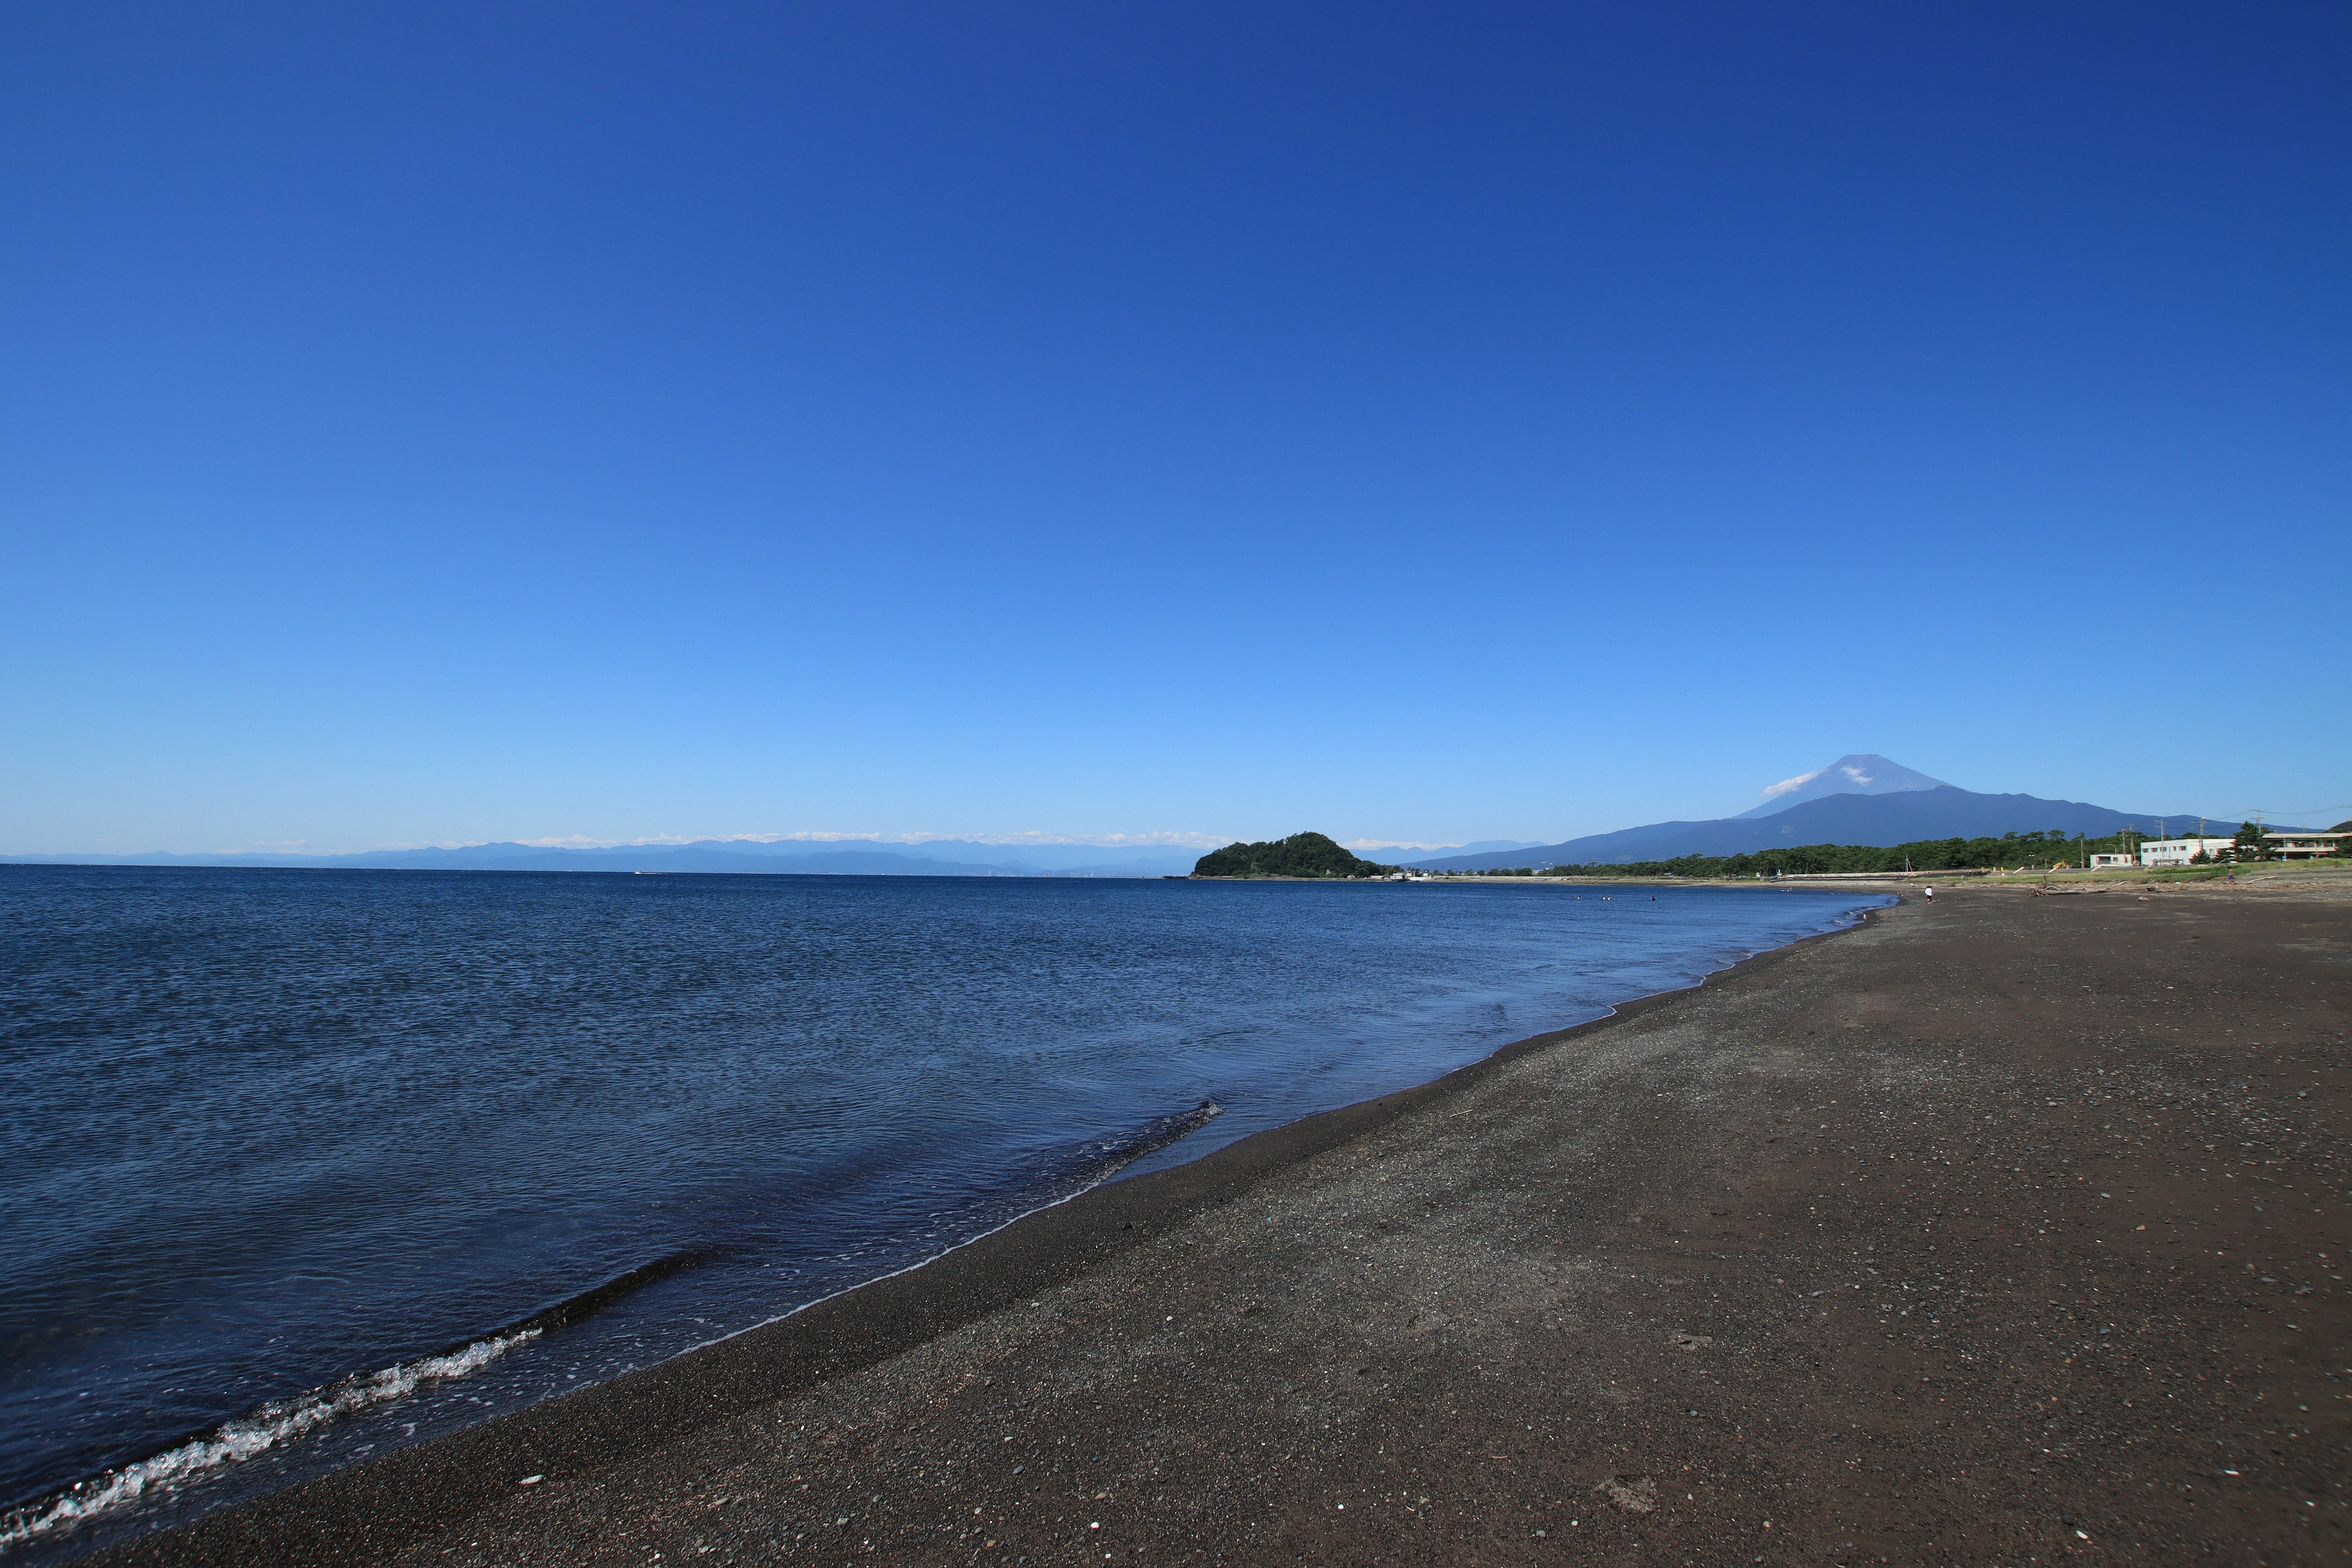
[1860, 772]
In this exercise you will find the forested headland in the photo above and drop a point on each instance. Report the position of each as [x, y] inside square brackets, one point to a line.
[1300, 855]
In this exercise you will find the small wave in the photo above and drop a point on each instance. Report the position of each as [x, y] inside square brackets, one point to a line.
[1113, 1154]
[1092, 1164]
[588, 1303]
[266, 1427]
[256, 1432]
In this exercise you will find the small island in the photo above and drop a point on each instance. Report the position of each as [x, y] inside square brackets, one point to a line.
[1300, 855]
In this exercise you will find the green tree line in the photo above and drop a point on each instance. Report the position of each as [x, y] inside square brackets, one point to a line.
[2010, 852]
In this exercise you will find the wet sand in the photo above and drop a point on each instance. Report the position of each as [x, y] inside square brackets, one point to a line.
[2009, 1228]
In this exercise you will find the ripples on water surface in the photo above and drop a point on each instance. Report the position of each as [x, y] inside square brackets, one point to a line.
[287, 1150]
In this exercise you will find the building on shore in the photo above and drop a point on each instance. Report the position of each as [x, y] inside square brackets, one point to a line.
[2182, 851]
[2289, 845]
[2281, 844]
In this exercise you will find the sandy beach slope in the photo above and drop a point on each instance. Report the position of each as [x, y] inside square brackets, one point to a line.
[2009, 1228]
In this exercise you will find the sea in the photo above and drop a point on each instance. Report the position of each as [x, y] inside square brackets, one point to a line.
[304, 1165]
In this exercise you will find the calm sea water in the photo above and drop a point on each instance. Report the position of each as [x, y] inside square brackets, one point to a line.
[298, 1163]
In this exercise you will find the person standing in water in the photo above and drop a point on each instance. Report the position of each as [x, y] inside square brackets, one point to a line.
[1931, 895]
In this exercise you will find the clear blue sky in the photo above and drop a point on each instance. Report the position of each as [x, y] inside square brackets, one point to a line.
[444, 423]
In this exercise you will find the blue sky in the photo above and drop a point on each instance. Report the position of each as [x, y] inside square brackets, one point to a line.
[438, 424]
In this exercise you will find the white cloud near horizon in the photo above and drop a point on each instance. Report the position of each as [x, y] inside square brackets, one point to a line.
[1160, 839]
[1155, 840]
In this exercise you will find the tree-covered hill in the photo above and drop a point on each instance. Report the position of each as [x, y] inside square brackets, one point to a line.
[1300, 855]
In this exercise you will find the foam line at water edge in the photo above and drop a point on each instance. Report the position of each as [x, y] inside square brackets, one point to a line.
[256, 1432]
[266, 1427]
[1155, 1135]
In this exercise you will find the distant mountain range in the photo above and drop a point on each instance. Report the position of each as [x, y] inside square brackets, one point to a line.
[1397, 854]
[1859, 799]
[937, 858]
[934, 857]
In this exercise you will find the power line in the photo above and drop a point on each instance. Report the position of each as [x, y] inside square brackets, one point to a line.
[2297, 811]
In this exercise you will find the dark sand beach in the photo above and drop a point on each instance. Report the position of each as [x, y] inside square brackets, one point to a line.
[2002, 1230]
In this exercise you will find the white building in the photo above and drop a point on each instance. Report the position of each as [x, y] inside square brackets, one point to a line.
[2180, 851]
[2114, 862]
[2285, 845]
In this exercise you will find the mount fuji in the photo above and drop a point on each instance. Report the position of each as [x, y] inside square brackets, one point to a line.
[1860, 798]
[1858, 773]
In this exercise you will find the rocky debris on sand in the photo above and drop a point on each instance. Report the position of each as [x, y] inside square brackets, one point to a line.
[1634, 1494]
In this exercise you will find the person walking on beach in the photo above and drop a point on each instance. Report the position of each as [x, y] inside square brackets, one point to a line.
[1931, 895]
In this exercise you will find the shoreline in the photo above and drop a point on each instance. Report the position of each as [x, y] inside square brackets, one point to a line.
[1054, 1252]
[909, 1362]
[2324, 877]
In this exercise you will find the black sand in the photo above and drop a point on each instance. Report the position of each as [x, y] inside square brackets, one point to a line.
[2010, 1229]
